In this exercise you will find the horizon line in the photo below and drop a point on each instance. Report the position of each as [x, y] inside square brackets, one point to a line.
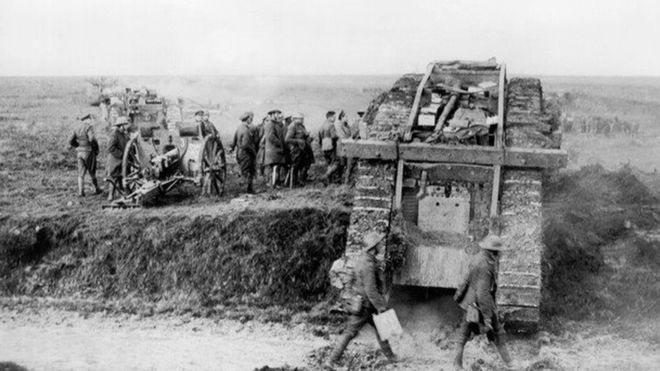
[313, 75]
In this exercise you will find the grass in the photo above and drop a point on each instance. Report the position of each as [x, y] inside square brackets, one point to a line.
[585, 211]
[256, 257]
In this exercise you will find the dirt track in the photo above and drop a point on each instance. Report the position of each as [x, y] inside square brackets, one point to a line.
[60, 340]
[55, 340]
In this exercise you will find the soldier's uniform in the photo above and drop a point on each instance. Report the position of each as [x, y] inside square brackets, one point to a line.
[328, 142]
[275, 149]
[87, 149]
[476, 296]
[207, 126]
[246, 149]
[258, 136]
[298, 141]
[116, 146]
[370, 286]
[343, 132]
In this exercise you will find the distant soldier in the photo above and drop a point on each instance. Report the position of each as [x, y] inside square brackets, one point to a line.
[205, 125]
[116, 146]
[246, 149]
[356, 126]
[370, 286]
[341, 126]
[104, 108]
[84, 141]
[476, 295]
[259, 134]
[328, 142]
[275, 149]
[298, 141]
[343, 131]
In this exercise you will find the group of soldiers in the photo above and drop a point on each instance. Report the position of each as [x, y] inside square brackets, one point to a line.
[282, 145]
[475, 295]
[83, 139]
[598, 125]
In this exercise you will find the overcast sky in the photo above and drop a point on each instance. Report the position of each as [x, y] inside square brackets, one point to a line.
[132, 37]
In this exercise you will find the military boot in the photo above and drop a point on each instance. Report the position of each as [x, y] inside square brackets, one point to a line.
[292, 177]
[97, 190]
[250, 187]
[387, 350]
[111, 192]
[338, 350]
[81, 187]
[504, 353]
[458, 357]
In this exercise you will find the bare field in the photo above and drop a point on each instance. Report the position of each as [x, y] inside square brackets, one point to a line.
[37, 188]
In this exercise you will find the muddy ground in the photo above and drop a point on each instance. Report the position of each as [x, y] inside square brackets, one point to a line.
[51, 339]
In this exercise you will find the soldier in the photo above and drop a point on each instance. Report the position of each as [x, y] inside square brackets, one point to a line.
[116, 146]
[328, 142]
[297, 139]
[341, 127]
[87, 148]
[259, 134]
[356, 127]
[246, 149]
[205, 125]
[370, 286]
[476, 295]
[343, 131]
[275, 150]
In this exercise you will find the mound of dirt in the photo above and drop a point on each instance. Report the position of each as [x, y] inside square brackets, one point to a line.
[261, 257]
[586, 211]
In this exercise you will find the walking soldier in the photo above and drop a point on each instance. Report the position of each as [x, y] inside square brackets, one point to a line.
[476, 295]
[370, 287]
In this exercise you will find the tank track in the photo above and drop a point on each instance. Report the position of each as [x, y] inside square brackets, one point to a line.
[519, 275]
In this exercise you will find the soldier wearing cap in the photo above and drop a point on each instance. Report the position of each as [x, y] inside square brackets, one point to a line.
[116, 146]
[328, 141]
[299, 143]
[476, 295]
[246, 149]
[84, 141]
[370, 286]
[275, 149]
[206, 127]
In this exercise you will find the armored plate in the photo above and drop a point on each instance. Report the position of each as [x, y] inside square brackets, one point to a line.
[444, 211]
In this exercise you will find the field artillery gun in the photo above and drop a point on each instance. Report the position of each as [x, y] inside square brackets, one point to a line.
[454, 154]
[161, 154]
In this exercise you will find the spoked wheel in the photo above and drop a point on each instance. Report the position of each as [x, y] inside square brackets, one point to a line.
[213, 166]
[131, 167]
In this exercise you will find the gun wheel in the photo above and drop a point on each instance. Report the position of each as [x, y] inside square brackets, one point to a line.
[213, 166]
[131, 167]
